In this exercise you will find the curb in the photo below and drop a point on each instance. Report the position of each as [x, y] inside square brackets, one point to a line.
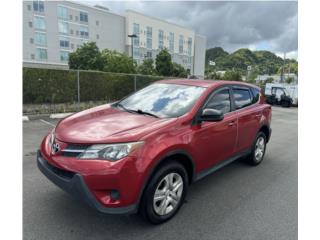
[60, 115]
[45, 116]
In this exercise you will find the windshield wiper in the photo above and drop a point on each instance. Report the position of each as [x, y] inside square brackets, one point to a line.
[139, 111]
[146, 113]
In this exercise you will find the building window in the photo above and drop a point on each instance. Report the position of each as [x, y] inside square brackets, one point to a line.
[29, 7]
[71, 31]
[62, 12]
[76, 18]
[41, 54]
[83, 17]
[38, 6]
[39, 23]
[98, 36]
[136, 40]
[72, 46]
[70, 17]
[149, 37]
[30, 24]
[171, 42]
[64, 42]
[64, 56]
[136, 52]
[84, 32]
[160, 39]
[149, 54]
[189, 46]
[32, 56]
[181, 40]
[97, 23]
[149, 43]
[31, 40]
[41, 39]
[63, 27]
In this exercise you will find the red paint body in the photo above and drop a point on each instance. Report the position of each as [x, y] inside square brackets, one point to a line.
[206, 143]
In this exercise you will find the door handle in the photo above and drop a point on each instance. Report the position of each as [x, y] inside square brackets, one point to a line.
[230, 124]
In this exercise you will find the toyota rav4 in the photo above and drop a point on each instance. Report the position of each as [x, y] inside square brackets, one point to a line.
[141, 153]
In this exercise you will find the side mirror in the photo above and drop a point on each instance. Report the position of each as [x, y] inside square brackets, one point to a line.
[211, 115]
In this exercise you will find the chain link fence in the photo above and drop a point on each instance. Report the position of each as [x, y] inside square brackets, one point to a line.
[47, 91]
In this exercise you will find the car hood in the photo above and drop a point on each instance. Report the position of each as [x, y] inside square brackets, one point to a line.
[105, 124]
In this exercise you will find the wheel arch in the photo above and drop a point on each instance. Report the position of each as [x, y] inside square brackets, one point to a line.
[180, 156]
[266, 130]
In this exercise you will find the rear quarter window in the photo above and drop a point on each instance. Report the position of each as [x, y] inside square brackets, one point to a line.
[256, 95]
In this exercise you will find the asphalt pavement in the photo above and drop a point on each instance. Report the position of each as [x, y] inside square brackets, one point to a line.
[236, 202]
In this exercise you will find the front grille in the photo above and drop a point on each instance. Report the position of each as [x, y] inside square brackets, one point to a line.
[62, 173]
[74, 150]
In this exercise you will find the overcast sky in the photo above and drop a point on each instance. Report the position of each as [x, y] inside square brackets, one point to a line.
[258, 25]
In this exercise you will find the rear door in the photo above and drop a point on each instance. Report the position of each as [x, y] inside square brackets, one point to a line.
[248, 115]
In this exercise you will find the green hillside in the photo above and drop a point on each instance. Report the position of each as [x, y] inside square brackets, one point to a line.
[261, 62]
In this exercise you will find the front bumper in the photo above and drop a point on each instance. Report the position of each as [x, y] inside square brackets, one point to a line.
[74, 184]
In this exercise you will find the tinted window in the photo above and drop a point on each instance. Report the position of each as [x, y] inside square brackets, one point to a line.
[242, 97]
[220, 101]
[256, 95]
[164, 100]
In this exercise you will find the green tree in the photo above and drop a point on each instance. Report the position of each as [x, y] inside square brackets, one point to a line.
[289, 80]
[232, 75]
[87, 57]
[147, 67]
[179, 71]
[164, 64]
[114, 61]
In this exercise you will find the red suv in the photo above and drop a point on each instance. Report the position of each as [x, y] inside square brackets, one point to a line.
[141, 153]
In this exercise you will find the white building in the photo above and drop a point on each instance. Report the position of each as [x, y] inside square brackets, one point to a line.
[53, 29]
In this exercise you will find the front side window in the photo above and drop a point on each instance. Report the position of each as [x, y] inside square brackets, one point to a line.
[220, 101]
[63, 27]
[41, 54]
[40, 39]
[242, 97]
[62, 12]
[164, 100]
[38, 6]
[83, 17]
[39, 23]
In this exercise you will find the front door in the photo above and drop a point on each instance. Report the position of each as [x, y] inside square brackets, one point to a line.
[216, 141]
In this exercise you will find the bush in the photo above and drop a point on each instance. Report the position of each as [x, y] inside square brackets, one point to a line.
[60, 86]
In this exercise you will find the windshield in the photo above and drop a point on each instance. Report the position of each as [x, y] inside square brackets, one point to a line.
[163, 100]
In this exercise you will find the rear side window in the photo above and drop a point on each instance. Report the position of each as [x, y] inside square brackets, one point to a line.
[220, 101]
[256, 95]
[242, 97]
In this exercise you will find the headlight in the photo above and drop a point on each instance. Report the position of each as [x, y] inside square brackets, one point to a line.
[111, 152]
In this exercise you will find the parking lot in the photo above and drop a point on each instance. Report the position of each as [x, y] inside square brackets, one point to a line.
[236, 202]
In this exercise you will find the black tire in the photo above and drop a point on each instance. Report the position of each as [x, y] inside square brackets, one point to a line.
[252, 159]
[285, 104]
[147, 207]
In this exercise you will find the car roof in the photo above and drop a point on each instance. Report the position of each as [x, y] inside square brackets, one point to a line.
[204, 83]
